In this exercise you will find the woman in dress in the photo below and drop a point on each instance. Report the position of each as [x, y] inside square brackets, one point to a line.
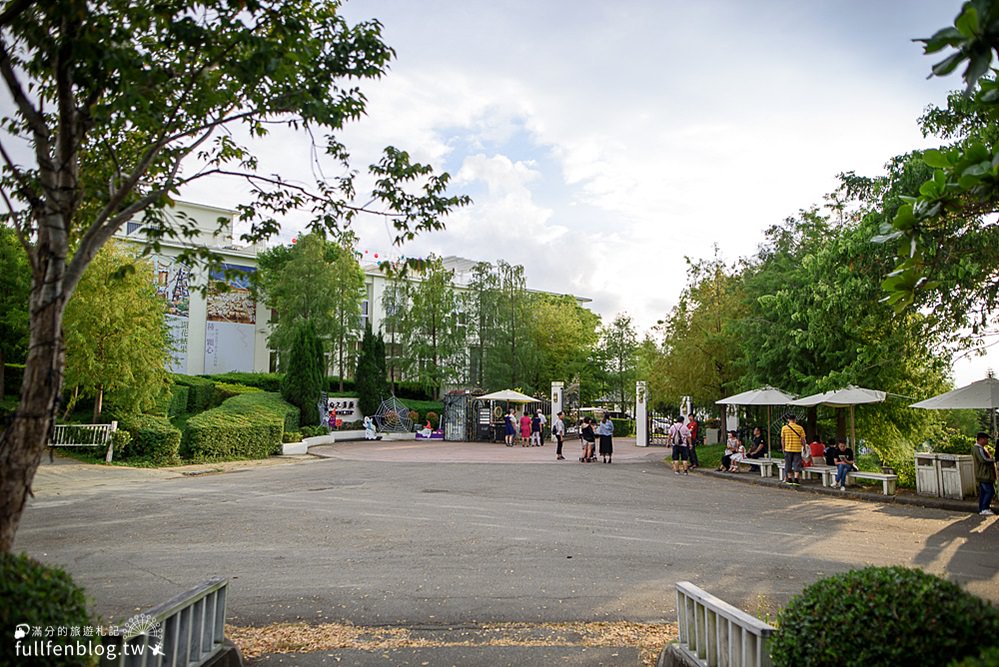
[525, 430]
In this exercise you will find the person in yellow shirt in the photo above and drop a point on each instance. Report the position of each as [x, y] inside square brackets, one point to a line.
[792, 437]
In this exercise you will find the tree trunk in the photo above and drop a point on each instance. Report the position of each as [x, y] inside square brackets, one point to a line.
[23, 442]
[3, 367]
[98, 405]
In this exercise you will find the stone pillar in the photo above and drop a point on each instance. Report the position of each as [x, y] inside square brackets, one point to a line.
[556, 400]
[641, 415]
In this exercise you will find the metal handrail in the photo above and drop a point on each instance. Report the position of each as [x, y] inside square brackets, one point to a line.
[192, 627]
[712, 632]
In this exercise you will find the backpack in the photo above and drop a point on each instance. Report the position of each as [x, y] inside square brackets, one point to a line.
[677, 437]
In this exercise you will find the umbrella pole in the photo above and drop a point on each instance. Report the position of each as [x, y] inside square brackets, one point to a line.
[853, 432]
[768, 431]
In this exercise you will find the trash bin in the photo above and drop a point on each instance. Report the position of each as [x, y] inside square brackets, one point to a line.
[928, 474]
[957, 476]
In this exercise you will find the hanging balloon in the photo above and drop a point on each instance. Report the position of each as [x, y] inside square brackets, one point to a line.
[376, 255]
[294, 240]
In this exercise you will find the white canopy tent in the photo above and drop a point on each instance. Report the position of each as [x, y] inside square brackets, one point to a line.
[510, 396]
[767, 396]
[848, 397]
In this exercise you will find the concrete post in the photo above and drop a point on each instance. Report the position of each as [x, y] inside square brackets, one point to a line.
[556, 400]
[641, 415]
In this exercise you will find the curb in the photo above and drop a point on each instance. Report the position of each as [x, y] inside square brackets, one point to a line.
[947, 504]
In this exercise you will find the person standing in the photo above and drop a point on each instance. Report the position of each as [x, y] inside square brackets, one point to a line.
[525, 429]
[558, 432]
[693, 427]
[679, 438]
[588, 439]
[985, 473]
[605, 429]
[536, 429]
[792, 438]
[510, 426]
[544, 421]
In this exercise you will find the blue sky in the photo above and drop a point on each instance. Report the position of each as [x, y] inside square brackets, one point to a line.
[620, 137]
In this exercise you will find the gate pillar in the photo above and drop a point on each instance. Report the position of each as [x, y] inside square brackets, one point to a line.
[556, 401]
[641, 415]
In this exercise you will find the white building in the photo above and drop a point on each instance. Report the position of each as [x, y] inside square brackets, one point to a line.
[227, 331]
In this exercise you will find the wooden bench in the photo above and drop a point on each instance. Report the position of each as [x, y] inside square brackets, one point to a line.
[83, 435]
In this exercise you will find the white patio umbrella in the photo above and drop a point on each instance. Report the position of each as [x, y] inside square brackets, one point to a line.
[508, 395]
[980, 395]
[767, 396]
[847, 397]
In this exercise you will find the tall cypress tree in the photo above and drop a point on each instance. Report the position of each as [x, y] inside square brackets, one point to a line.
[303, 381]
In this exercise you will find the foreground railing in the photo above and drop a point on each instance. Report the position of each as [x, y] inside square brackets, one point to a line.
[714, 633]
[184, 631]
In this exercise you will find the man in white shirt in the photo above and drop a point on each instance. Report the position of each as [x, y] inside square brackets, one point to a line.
[679, 439]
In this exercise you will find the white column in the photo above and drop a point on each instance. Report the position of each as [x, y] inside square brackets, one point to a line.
[641, 415]
[556, 401]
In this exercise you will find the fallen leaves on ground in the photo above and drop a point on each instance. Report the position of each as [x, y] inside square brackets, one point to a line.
[649, 638]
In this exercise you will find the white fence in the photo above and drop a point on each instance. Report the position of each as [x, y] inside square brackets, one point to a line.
[83, 435]
[716, 634]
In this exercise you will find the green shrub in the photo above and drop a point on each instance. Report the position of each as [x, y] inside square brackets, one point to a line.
[200, 394]
[247, 426]
[987, 658]
[13, 376]
[262, 381]
[41, 596]
[225, 390]
[882, 616]
[153, 439]
[412, 392]
[623, 427]
[120, 439]
[433, 418]
[179, 397]
[303, 382]
[332, 384]
[291, 436]
[313, 431]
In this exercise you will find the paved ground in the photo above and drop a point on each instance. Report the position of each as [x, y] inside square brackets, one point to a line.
[439, 535]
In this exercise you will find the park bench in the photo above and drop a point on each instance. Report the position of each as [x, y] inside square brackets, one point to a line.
[83, 435]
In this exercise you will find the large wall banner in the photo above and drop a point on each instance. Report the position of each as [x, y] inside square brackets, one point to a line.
[230, 330]
[173, 284]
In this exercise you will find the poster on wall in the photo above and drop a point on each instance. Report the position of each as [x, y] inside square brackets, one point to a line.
[230, 330]
[173, 285]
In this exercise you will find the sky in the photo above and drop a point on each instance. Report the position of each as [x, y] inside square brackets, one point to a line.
[604, 142]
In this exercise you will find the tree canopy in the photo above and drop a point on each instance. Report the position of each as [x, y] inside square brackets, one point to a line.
[123, 104]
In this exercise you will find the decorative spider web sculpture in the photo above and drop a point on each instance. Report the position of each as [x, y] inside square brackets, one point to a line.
[393, 417]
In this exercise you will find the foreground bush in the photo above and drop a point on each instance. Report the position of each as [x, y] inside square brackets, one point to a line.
[40, 596]
[153, 439]
[247, 426]
[262, 381]
[883, 616]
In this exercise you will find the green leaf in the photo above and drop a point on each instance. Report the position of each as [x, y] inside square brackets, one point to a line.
[936, 159]
[942, 38]
[948, 64]
[967, 22]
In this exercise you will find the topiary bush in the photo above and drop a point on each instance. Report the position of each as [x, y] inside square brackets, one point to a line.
[433, 418]
[262, 381]
[248, 426]
[226, 390]
[41, 596]
[201, 391]
[882, 616]
[154, 439]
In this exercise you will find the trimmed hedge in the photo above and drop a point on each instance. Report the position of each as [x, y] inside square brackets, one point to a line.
[173, 401]
[262, 381]
[247, 426]
[894, 615]
[153, 438]
[225, 390]
[201, 391]
[41, 596]
[623, 427]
